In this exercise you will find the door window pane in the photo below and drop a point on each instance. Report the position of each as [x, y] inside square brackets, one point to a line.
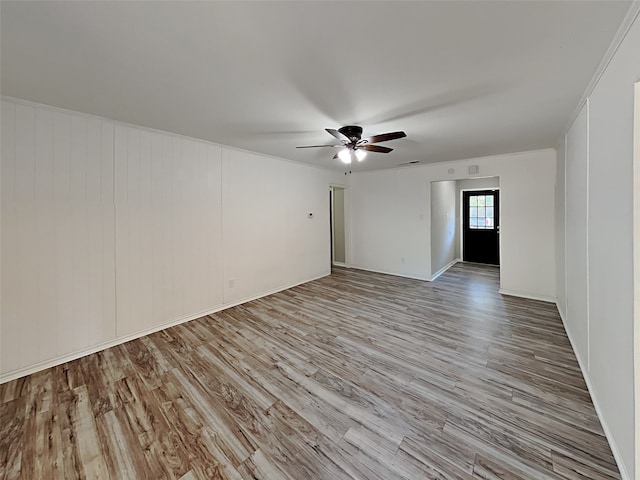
[481, 212]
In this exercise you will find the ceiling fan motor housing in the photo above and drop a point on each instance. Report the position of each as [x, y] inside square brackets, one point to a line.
[352, 132]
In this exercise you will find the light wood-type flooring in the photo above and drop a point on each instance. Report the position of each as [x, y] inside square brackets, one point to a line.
[356, 375]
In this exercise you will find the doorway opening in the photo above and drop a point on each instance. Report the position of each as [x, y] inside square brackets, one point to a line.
[337, 210]
[481, 226]
[447, 221]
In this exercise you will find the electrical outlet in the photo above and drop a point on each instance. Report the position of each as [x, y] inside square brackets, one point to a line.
[232, 282]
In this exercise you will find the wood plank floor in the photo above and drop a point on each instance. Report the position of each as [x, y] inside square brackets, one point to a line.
[357, 375]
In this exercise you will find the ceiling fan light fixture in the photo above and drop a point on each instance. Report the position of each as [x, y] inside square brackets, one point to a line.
[353, 145]
[345, 156]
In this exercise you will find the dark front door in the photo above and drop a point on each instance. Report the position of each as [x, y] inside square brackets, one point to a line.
[481, 227]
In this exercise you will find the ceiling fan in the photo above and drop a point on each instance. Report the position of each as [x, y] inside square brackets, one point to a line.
[353, 144]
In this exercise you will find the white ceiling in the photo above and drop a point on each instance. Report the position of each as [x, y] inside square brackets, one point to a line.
[463, 79]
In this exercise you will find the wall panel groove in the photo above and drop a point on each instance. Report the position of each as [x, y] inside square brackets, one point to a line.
[167, 199]
[57, 271]
[111, 231]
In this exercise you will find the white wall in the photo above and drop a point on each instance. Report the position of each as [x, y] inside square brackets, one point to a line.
[599, 228]
[168, 228]
[391, 218]
[269, 241]
[577, 315]
[57, 234]
[443, 225]
[94, 210]
[478, 183]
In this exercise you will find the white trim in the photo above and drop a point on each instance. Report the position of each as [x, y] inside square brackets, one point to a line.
[564, 226]
[348, 243]
[636, 270]
[29, 103]
[479, 189]
[444, 269]
[21, 372]
[530, 296]
[614, 448]
[332, 223]
[625, 26]
[395, 274]
[339, 264]
[586, 200]
[460, 162]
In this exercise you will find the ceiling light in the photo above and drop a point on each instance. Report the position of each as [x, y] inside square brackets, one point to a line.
[360, 154]
[345, 155]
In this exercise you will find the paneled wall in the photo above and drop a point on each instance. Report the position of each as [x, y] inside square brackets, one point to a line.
[168, 228]
[58, 293]
[598, 269]
[110, 231]
[577, 317]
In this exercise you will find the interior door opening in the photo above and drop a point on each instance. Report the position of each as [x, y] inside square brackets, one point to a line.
[337, 226]
[447, 223]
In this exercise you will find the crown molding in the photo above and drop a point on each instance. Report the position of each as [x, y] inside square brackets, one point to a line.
[619, 37]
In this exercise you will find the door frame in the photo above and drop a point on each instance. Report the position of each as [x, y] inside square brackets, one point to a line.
[461, 219]
[636, 268]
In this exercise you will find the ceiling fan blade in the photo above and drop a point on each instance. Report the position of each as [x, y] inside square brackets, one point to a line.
[337, 134]
[318, 146]
[375, 148]
[385, 137]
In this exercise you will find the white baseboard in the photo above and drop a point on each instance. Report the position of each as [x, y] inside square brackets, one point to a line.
[515, 293]
[624, 473]
[387, 272]
[445, 268]
[340, 264]
[52, 362]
